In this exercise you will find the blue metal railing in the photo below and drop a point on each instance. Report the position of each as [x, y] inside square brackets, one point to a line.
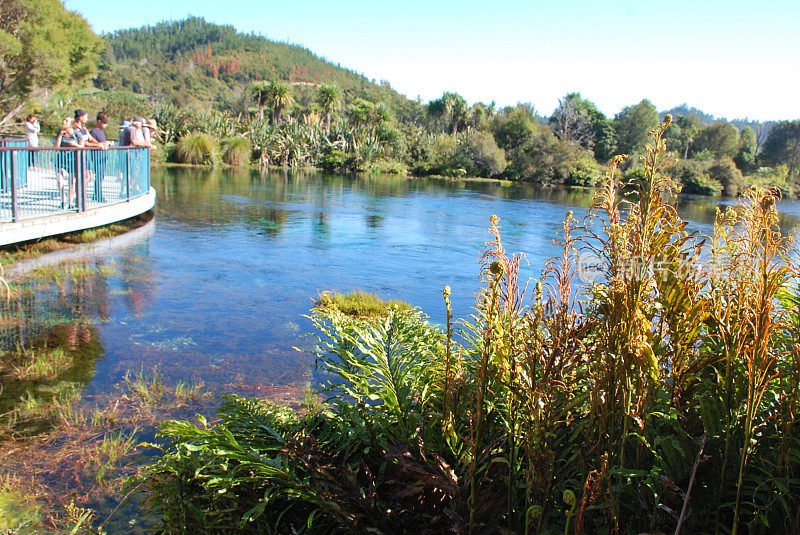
[13, 142]
[37, 182]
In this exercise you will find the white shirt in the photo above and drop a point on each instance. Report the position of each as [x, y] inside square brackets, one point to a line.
[32, 133]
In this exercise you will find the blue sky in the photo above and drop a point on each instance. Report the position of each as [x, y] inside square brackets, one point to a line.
[730, 58]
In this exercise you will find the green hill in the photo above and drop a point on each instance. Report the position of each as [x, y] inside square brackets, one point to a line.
[197, 63]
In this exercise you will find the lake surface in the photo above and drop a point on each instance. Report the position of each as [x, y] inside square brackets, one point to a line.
[214, 289]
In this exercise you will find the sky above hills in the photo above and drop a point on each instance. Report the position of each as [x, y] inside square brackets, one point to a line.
[730, 58]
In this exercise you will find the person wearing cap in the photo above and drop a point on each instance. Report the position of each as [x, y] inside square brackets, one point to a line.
[81, 132]
[150, 130]
[124, 133]
[99, 131]
[137, 134]
[99, 160]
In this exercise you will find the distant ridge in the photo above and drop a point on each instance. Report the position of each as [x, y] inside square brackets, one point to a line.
[706, 119]
[195, 62]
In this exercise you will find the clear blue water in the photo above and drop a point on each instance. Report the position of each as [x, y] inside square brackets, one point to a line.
[215, 288]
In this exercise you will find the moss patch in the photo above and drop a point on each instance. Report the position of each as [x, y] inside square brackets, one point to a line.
[359, 304]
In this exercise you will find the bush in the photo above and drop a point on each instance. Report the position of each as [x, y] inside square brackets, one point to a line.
[236, 151]
[197, 149]
[692, 176]
[771, 177]
[725, 172]
[585, 172]
[333, 161]
[389, 167]
[482, 157]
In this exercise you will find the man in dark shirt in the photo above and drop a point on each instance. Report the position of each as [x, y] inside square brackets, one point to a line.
[98, 132]
[98, 160]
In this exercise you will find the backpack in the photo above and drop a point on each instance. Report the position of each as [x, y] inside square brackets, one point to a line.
[125, 137]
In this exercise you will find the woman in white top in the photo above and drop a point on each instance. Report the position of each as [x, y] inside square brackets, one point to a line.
[32, 129]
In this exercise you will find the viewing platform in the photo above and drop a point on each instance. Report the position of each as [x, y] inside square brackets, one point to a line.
[51, 191]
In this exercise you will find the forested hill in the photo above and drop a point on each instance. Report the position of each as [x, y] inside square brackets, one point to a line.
[194, 62]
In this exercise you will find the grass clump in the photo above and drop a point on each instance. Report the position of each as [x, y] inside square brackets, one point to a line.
[197, 149]
[236, 150]
[41, 364]
[359, 304]
[655, 389]
[149, 387]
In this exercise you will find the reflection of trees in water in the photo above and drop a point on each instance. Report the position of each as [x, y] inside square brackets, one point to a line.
[374, 221]
[47, 316]
[75, 291]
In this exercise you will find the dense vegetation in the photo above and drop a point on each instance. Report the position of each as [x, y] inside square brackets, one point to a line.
[661, 396]
[223, 96]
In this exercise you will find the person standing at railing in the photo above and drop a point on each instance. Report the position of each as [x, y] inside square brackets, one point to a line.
[99, 135]
[137, 134]
[66, 136]
[99, 131]
[66, 139]
[32, 129]
[82, 132]
[87, 140]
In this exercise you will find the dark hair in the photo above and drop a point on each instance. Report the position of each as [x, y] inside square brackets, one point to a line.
[31, 116]
[80, 112]
[101, 118]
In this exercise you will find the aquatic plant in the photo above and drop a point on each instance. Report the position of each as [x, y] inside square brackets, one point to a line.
[359, 303]
[149, 387]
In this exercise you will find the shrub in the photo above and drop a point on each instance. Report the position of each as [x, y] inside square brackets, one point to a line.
[236, 151]
[771, 177]
[197, 149]
[585, 172]
[333, 161]
[482, 156]
[389, 167]
[693, 178]
[727, 174]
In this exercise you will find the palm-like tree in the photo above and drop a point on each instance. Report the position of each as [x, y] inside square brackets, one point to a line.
[279, 98]
[450, 106]
[456, 107]
[381, 114]
[329, 98]
[260, 91]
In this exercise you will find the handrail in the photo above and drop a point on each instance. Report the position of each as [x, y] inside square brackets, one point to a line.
[113, 147]
[45, 181]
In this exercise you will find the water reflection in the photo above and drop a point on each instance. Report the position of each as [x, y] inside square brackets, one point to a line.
[60, 310]
[216, 289]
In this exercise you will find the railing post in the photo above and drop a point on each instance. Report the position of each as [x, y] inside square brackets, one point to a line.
[77, 175]
[13, 185]
[128, 174]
